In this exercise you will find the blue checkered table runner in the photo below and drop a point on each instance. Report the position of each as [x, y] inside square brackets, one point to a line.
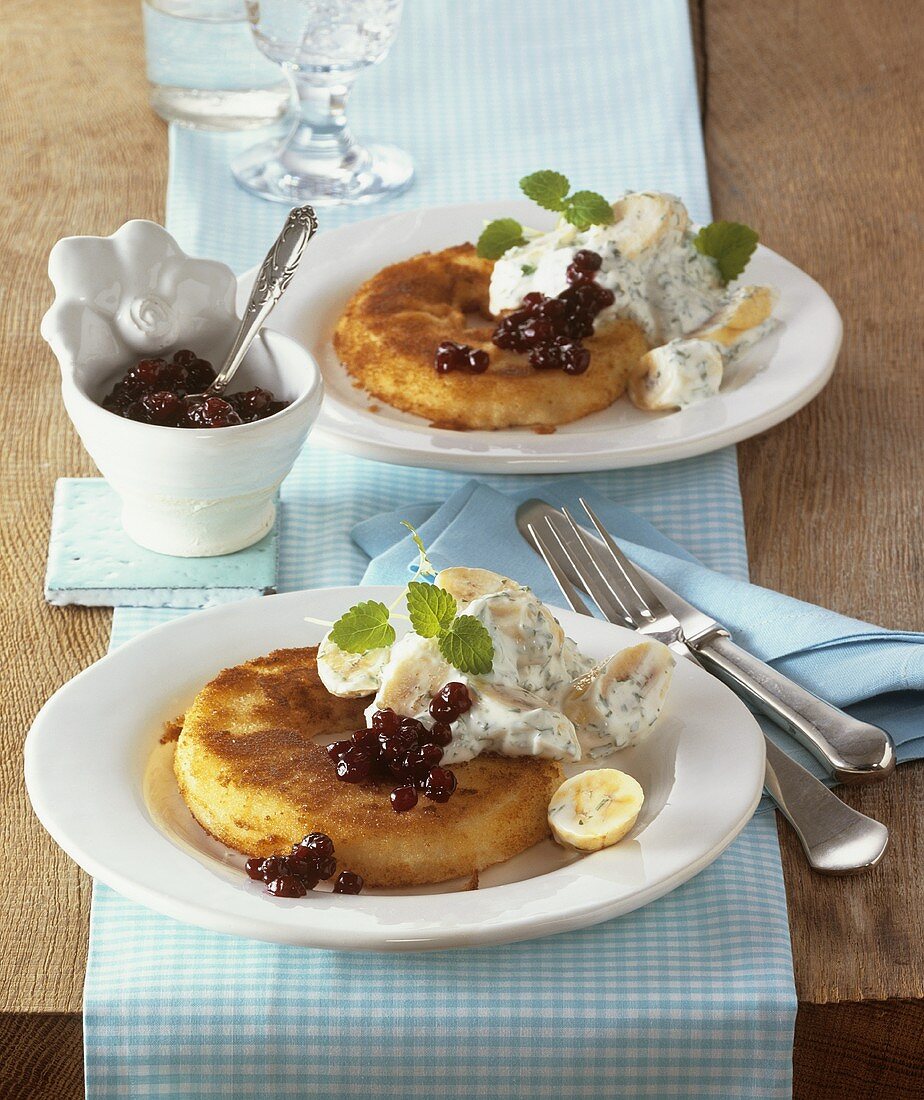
[690, 997]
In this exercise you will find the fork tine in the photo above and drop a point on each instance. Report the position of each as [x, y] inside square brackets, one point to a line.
[551, 560]
[638, 583]
[576, 553]
[628, 598]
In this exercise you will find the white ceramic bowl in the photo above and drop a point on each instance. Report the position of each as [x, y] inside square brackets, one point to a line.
[189, 492]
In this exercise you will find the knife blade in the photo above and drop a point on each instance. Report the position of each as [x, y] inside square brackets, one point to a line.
[853, 751]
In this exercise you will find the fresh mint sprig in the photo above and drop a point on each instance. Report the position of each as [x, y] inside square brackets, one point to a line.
[546, 188]
[365, 626]
[550, 190]
[586, 208]
[431, 609]
[730, 244]
[467, 645]
[463, 640]
[498, 237]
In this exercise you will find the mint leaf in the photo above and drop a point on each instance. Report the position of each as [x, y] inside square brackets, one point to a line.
[586, 208]
[424, 567]
[498, 236]
[528, 269]
[365, 626]
[467, 646]
[546, 188]
[730, 244]
[430, 608]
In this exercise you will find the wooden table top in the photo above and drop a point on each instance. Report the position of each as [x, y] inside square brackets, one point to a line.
[813, 135]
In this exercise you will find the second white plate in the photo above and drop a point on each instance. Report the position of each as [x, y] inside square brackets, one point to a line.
[103, 787]
[780, 376]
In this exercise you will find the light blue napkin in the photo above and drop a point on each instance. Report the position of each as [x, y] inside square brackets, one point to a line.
[874, 673]
[692, 996]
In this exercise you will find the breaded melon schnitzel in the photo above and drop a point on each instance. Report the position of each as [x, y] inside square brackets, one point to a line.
[389, 332]
[249, 770]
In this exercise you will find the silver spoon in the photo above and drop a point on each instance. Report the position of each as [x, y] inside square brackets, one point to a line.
[272, 279]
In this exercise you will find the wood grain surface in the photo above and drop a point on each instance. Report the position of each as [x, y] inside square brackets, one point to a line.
[812, 121]
[82, 153]
[813, 134]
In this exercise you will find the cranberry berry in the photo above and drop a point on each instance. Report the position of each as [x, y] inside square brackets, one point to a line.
[318, 844]
[213, 412]
[287, 886]
[348, 883]
[162, 407]
[325, 866]
[440, 734]
[457, 694]
[585, 260]
[461, 357]
[254, 868]
[440, 785]
[353, 766]
[403, 799]
[386, 721]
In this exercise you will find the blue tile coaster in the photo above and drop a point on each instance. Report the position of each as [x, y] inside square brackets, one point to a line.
[91, 560]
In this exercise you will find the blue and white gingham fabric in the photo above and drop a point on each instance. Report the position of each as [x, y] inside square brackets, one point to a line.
[690, 997]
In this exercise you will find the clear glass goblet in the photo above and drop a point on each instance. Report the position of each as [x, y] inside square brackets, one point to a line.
[323, 45]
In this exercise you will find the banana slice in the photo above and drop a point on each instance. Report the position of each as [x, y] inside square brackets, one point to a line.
[597, 808]
[690, 368]
[746, 308]
[414, 674]
[468, 584]
[618, 701]
[646, 220]
[350, 675]
[676, 375]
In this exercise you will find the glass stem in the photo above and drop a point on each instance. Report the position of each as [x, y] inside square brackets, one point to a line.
[321, 144]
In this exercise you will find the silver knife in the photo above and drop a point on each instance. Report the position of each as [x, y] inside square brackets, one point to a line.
[836, 839]
[853, 751]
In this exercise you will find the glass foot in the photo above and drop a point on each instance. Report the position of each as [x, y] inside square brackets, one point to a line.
[375, 172]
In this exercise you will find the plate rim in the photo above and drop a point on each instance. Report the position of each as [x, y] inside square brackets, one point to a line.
[472, 459]
[511, 929]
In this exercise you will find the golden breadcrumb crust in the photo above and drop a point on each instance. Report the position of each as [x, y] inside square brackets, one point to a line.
[248, 769]
[391, 327]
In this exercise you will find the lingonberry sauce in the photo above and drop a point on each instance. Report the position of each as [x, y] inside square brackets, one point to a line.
[550, 330]
[461, 357]
[348, 882]
[309, 861]
[155, 391]
[395, 747]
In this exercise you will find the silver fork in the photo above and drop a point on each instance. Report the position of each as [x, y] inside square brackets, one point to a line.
[837, 839]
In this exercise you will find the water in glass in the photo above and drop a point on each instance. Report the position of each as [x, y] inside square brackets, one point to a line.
[203, 68]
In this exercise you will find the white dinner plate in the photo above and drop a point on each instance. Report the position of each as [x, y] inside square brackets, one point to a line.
[779, 376]
[102, 785]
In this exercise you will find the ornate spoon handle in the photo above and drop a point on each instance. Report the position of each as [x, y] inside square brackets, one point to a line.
[273, 278]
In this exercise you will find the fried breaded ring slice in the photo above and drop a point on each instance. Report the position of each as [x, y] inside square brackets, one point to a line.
[389, 332]
[250, 773]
